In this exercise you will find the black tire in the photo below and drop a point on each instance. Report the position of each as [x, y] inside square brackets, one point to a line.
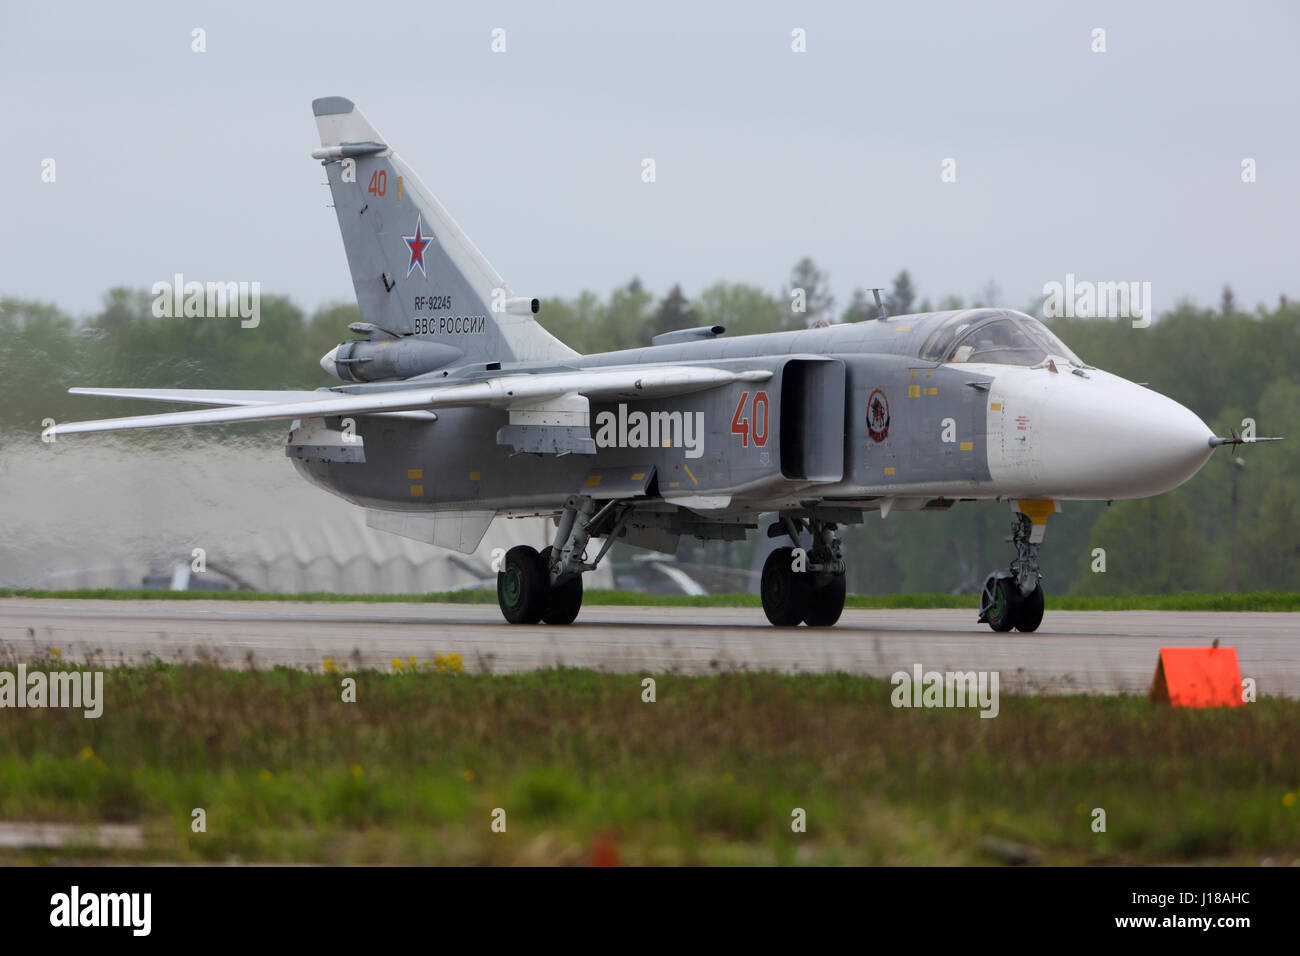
[565, 599]
[1005, 606]
[523, 588]
[1030, 614]
[784, 593]
[826, 603]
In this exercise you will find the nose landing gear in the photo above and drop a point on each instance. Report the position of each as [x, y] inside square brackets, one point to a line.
[1013, 598]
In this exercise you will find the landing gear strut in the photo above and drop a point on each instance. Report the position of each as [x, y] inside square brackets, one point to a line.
[799, 585]
[1014, 597]
[547, 586]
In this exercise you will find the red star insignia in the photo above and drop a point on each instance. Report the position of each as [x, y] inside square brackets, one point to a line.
[417, 243]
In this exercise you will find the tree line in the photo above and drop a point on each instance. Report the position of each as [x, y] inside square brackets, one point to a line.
[1226, 364]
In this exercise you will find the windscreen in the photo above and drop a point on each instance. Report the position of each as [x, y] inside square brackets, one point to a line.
[1050, 340]
[1002, 338]
[1001, 342]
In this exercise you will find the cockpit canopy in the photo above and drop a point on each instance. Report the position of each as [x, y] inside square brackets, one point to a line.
[997, 337]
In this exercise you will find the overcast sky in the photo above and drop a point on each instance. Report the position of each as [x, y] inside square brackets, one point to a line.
[1123, 165]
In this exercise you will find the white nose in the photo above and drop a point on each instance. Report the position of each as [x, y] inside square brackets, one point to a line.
[327, 361]
[1105, 437]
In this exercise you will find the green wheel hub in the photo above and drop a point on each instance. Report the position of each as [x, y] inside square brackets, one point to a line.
[999, 603]
[511, 586]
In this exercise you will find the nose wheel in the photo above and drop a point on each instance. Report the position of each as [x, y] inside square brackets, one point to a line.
[1003, 607]
[1013, 598]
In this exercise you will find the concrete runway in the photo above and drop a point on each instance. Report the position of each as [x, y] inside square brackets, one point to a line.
[1091, 651]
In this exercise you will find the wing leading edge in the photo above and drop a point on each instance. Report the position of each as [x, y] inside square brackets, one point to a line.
[629, 381]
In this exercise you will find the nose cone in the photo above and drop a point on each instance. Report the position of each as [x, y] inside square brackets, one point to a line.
[327, 361]
[1105, 437]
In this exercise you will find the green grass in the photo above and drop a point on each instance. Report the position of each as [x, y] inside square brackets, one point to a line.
[1251, 601]
[709, 773]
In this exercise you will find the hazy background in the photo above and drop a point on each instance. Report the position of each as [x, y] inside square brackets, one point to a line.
[1117, 166]
[1122, 165]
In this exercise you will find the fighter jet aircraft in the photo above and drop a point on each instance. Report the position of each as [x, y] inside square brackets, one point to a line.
[458, 408]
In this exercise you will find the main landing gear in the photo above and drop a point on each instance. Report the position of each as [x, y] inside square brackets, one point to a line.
[1014, 597]
[804, 586]
[546, 586]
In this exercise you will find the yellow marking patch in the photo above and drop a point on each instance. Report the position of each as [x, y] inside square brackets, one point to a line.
[417, 491]
[473, 476]
[967, 445]
[929, 373]
[903, 328]
[689, 472]
[593, 481]
[889, 471]
[399, 187]
[638, 476]
[415, 473]
[914, 391]
[1037, 509]
[913, 373]
[932, 391]
[673, 484]
[995, 406]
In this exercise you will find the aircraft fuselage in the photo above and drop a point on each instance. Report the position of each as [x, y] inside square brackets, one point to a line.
[849, 417]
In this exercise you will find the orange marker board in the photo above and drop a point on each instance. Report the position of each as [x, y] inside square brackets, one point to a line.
[1197, 677]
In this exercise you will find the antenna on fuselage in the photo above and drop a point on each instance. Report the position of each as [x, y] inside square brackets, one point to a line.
[880, 307]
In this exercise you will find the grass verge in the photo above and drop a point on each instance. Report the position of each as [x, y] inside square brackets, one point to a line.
[711, 772]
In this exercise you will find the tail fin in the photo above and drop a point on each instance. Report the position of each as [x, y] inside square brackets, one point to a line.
[414, 271]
